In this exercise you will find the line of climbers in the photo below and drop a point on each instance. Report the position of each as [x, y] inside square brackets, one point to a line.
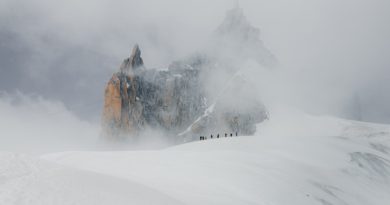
[211, 136]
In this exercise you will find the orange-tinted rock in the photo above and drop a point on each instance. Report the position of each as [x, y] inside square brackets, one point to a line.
[174, 100]
[137, 98]
[121, 114]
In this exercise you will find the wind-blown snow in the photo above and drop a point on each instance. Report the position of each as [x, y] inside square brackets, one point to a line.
[293, 159]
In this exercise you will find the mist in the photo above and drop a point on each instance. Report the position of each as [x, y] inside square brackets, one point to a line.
[332, 57]
[35, 125]
[32, 124]
[328, 51]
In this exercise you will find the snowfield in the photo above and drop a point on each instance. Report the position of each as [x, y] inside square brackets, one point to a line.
[293, 159]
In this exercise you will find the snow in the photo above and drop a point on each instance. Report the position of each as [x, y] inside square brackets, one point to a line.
[294, 158]
[206, 113]
[25, 180]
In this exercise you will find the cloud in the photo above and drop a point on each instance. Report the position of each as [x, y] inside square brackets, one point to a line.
[329, 51]
[36, 125]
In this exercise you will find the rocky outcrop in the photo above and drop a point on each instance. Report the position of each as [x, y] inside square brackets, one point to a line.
[236, 110]
[236, 37]
[174, 100]
[138, 98]
[194, 96]
[134, 62]
[122, 113]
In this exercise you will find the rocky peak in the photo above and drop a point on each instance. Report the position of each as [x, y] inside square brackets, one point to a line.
[134, 62]
[237, 37]
[136, 99]
[235, 23]
[178, 100]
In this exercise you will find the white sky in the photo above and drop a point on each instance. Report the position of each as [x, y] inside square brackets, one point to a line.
[329, 50]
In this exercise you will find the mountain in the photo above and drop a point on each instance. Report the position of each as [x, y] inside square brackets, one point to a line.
[201, 95]
[237, 38]
[137, 99]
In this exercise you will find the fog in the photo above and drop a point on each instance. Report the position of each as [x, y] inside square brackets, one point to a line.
[332, 55]
[35, 125]
[32, 124]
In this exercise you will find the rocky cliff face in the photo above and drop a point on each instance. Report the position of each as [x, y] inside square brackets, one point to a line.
[178, 101]
[122, 114]
[236, 111]
[174, 101]
[137, 98]
[235, 36]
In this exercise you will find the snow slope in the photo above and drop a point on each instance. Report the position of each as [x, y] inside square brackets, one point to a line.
[24, 180]
[293, 159]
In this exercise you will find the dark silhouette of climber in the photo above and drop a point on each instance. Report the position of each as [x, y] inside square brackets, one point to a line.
[231, 134]
[225, 134]
[211, 136]
[236, 134]
[218, 135]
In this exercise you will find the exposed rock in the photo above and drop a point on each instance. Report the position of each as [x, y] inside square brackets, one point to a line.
[191, 97]
[237, 37]
[236, 111]
[122, 114]
[173, 100]
[138, 98]
[133, 62]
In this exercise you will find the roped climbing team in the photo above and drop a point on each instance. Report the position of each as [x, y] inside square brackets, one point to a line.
[211, 136]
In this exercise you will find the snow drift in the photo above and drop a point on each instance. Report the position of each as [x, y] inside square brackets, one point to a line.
[295, 159]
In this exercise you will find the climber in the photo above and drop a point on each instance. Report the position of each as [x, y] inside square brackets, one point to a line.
[211, 136]
[236, 134]
[231, 134]
[225, 135]
[218, 135]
